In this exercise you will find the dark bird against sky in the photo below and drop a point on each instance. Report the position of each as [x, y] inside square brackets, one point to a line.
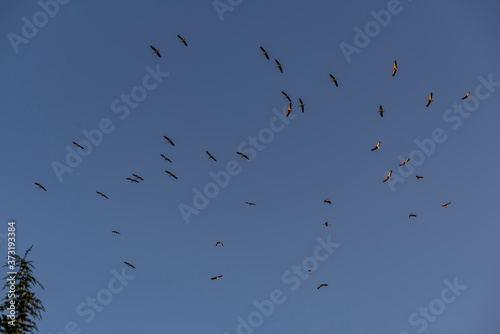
[395, 68]
[169, 140]
[430, 100]
[210, 156]
[279, 65]
[40, 186]
[102, 195]
[334, 80]
[156, 51]
[243, 155]
[183, 41]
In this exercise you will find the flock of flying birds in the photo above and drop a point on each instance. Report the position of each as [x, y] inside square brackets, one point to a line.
[381, 111]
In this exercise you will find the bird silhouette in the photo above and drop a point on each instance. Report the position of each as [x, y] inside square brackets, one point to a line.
[116, 232]
[412, 215]
[419, 177]
[279, 65]
[265, 53]
[40, 186]
[128, 264]
[169, 140]
[171, 174]
[182, 40]
[165, 158]
[388, 176]
[250, 203]
[78, 145]
[287, 96]
[446, 204]
[102, 195]
[132, 180]
[219, 243]
[381, 111]
[395, 68]
[138, 177]
[156, 51]
[376, 147]
[243, 155]
[289, 110]
[210, 156]
[322, 285]
[334, 80]
[301, 105]
[430, 100]
[405, 162]
[216, 277]
[466, 96]
[327, 201]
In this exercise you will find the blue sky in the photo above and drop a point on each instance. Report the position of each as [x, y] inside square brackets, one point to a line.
[219, 91]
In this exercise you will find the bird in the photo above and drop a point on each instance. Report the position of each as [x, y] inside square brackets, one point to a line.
[138, 177]
[446, 204]
[376, 147]
[287, 96]
[381, 111]
[419, 177]
[210, 156]
[430, 100]
[219, 243]
[243, 155]
[388, 176]
[128, 264]
[279, 65]
[250, 203]
[132, 180]
[265, 53]
[182, 40]
[116, 232]
[334, 80]
[102, 195]
[404, 163]
[289, 110]
[40, 186]
[327, 201]
[78, 145]
[165, 158]
[301, 105]
[395, 68]
[466, 96]
[169, 140]
[411, 215]
[322, 285]
[156, 51]
[216, 277]
[171, 174]
[327, 224]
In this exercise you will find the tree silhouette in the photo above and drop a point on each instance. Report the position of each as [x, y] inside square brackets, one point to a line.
[27, 306]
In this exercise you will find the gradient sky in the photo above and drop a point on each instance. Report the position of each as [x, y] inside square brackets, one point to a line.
[220, 91]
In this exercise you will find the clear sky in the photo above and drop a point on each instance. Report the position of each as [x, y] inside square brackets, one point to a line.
[387, 273]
